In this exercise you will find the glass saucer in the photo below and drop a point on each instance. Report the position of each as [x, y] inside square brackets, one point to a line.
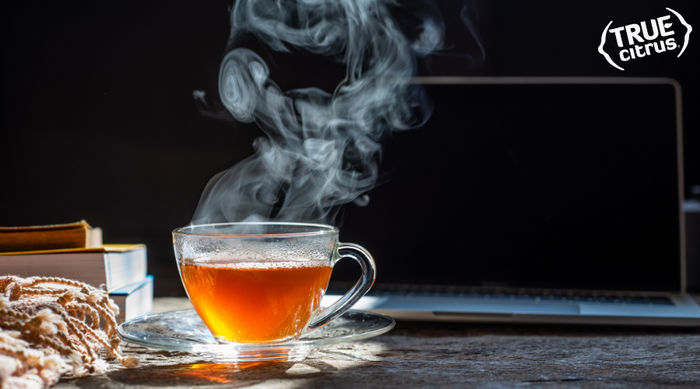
[185, 331]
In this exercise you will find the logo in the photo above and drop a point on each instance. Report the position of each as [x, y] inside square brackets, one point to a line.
[647, 38]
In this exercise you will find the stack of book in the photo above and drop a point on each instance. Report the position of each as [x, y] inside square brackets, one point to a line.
[75, 251]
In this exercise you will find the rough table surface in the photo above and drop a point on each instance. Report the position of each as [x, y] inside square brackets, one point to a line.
[416, 355]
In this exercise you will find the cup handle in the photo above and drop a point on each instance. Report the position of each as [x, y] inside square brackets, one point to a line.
[363, 257]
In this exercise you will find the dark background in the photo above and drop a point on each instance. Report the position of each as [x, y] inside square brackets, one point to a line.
[98, 120]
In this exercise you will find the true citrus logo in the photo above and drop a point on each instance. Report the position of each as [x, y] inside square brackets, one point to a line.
[639, 40]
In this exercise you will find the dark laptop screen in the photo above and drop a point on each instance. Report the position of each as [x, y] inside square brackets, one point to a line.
[568, 186]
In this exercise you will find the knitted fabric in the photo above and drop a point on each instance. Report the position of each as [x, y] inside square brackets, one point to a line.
[50, 327]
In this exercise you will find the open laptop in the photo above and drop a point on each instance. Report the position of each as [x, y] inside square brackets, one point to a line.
[531, 200]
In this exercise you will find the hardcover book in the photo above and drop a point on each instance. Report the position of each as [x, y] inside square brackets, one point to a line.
[50, 237]
[114, 265]
[134, 300]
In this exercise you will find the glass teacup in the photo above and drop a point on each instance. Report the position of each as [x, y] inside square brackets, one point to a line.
[263, 282]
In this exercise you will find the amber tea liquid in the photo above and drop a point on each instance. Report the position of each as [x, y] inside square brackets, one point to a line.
[256, 302]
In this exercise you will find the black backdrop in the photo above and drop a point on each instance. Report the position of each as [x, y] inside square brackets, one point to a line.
[98, 120]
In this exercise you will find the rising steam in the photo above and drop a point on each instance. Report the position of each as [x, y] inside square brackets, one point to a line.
[322, 150]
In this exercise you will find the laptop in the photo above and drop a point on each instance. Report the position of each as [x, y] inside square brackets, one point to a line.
[531, 200]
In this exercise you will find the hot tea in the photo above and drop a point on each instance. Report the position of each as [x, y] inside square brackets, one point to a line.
[262, 282]
[256, 302]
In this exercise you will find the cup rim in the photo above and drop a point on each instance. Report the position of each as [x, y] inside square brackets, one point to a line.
[324, 229]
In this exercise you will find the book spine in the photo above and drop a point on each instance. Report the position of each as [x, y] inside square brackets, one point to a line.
[43, 240]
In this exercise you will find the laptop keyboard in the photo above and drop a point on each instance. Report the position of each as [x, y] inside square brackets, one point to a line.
[520, 294]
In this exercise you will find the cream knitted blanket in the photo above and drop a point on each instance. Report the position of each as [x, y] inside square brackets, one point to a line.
[51, 327]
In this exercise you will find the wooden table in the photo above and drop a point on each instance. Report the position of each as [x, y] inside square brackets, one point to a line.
[417, 355]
